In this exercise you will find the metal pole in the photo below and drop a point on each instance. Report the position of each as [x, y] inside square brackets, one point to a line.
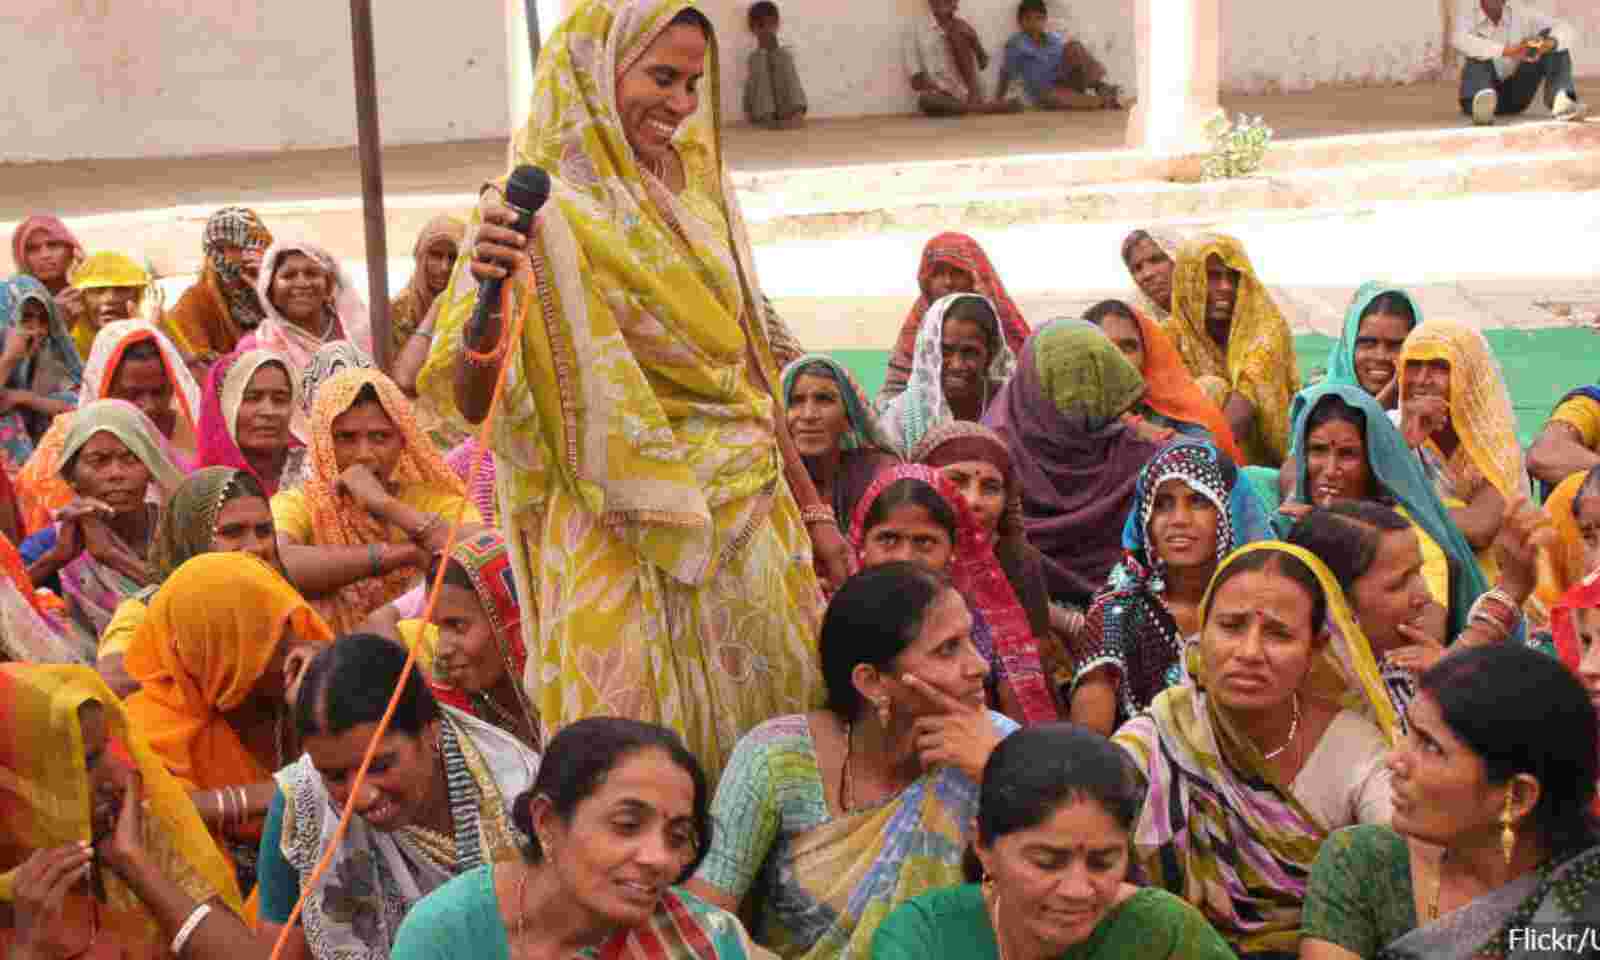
[533, 32]
[368, 149]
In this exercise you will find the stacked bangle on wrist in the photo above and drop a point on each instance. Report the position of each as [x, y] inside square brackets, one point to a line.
[186, 931]
[818, 513]
[490, 358]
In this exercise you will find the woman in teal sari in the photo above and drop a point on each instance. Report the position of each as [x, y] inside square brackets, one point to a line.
[1491, 838]
[1376, 325]
[1331, 416]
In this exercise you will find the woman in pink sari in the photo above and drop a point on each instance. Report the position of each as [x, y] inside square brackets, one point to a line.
[249, 400]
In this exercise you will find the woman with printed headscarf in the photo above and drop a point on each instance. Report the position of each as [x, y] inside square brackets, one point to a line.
[221, 307]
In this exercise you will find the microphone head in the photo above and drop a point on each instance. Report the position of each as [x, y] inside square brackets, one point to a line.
[528, 187]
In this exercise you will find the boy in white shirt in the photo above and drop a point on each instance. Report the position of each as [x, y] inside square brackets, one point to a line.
[1511, 49]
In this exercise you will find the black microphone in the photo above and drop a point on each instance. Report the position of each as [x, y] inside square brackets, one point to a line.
[526, 191]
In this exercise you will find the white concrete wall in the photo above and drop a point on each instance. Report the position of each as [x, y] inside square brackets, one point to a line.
[121, 78]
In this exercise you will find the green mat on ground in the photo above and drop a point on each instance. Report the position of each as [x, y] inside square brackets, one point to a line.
[1541, 365]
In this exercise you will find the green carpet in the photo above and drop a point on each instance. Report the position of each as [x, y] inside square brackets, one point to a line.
[1541, 365]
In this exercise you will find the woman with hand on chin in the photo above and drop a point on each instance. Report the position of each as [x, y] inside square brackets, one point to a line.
[830, 819]
[1055, 817]
[661, 512]
[377, 504]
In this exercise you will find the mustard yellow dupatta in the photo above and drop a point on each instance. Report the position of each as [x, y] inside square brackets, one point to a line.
[44, 801]
[1258, 362]
[1217, 828]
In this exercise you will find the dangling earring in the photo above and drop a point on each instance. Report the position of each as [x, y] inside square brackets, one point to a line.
[882, 703]
[1508, 832]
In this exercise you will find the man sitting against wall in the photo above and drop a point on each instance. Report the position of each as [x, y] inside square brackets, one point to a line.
[945, 60]
[1510, 50]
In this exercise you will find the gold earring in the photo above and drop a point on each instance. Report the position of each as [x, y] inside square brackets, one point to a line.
[882, 704]
[1508, 832]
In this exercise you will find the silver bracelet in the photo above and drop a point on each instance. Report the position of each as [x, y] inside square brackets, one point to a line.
[189, 926]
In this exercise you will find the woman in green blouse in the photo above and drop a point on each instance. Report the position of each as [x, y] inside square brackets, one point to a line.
[1054, 815]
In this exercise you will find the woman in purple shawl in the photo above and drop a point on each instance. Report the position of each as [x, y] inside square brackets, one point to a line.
[1077, 453]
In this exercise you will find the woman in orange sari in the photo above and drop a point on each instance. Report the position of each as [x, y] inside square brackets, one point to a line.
[216, 659]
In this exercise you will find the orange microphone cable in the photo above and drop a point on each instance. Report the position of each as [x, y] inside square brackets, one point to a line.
[515, 333]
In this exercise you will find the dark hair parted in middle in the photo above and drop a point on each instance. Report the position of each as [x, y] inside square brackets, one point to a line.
[1038, 770]
[914, 492]
[1275, 561]
[873, 618]
[577, 761]
[350, 683]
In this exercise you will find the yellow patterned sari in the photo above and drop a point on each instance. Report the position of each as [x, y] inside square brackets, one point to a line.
[1258, 362]
[663, 566]
[45, 802]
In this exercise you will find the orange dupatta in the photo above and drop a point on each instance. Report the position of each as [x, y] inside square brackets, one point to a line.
[211, 632]
[1172, 392]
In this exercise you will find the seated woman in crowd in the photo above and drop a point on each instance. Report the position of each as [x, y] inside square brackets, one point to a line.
[435, 803]
[1347, 449]
[1374, 553]
[960, 363]
[1055, 827]
[1573, 510]
[434, 253]
[471, 646]
[1376, 325]
[912, 513]
[1172, 400]
[951, 263]
[1575, 621]
[113, 286]
[329, 360]
[1569, 443]
[214, 510]
[33, 625]
[829, 820]
[43, 248]
[131, 361]
[834, 430]
[121, 471]
[978, 465]
[1456, 414]
[307, 300]
[1236, 343]
[376, 504]
[220, 308]
[1190, 510]
[1150, 256]
[1492, 838]
[244, 419]
[1078, 461]
[1280, 739]
[40, 368]
[215, 660]
[615, 799]
[101, 853]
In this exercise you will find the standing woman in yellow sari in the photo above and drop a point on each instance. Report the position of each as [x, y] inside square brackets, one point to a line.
[1456, 413]
[1236, 343]
[655, 507]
